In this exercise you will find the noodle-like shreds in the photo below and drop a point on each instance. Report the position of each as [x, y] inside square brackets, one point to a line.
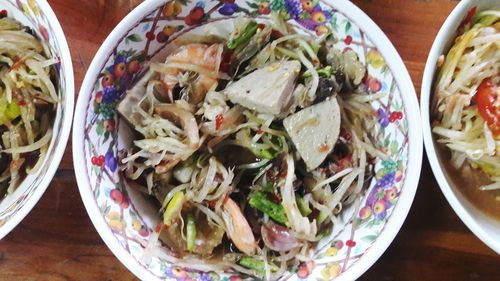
[28, 100]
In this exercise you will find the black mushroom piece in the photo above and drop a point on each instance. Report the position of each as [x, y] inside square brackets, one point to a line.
[326, 88]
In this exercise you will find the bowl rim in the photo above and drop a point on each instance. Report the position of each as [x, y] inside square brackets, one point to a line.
[67, 120]
[402, 78]
[451, 24]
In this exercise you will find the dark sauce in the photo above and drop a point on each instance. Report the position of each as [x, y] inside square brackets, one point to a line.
[468, 181]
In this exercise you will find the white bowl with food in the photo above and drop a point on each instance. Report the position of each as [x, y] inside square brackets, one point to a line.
[234, 139]
[36, 105]
[460, 108]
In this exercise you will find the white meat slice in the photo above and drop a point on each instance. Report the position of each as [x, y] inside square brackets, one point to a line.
[314, 131]
[266, 90]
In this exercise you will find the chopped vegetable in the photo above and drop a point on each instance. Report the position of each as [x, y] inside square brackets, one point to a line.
[275, 211]
[486, 98]
[303, 206]
[269, 187]
[266, 154]
[174, 208]
[257, 265]
[244, 37]
[8, 111]
[278, 238]
[183, 173]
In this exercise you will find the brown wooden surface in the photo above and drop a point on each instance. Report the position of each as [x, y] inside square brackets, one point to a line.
[57, 241]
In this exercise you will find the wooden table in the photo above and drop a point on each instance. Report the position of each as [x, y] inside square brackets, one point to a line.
[57, 241]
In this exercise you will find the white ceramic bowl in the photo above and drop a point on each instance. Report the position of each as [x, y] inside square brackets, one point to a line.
[484, 227]
[123, 218]
[39, 16]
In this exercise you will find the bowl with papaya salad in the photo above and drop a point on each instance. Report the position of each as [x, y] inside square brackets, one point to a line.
[36, 105]
[461, 111]
[233, 140]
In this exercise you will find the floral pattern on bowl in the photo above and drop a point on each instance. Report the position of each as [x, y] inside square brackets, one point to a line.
[101, 135]
[38, 16]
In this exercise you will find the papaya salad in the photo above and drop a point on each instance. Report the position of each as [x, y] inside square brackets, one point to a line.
[466, 103]
[252, 145]
[28, 100]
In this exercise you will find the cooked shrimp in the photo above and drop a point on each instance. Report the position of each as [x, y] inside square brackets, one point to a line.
[238, 229]
[200, 55]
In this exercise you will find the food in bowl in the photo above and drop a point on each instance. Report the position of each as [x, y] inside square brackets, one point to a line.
[466, 108]
[28, 101]
[251, 145]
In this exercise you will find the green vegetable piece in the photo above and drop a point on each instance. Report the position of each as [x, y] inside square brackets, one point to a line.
[13, 110]
[303, 207]
[275, 211]
[488, 168]
[322, 216]
[8, 111]
[487, 18]
[190, 233]
[244, 37]
[266, 154]
[257, 265]
[269, 187]
[174, 208]
[327, 71]
[287, 52]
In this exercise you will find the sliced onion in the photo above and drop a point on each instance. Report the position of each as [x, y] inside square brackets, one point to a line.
[209, 183]
[278, 238]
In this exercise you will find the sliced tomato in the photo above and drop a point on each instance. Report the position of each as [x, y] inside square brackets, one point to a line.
[486, 99]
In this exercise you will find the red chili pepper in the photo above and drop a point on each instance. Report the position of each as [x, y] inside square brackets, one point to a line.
[260, 132]
[225, 64]
[218, 121]
[270, 175]
[486, 98]
[211, 204]
[347, 136]
[158, 227]
[276, 198]
[275, 34]
[469, 16]
[16, 64]
[261, 26]
[21, 103]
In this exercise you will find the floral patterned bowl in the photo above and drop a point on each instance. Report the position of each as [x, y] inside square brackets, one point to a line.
[39, 16]
[123, 218]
